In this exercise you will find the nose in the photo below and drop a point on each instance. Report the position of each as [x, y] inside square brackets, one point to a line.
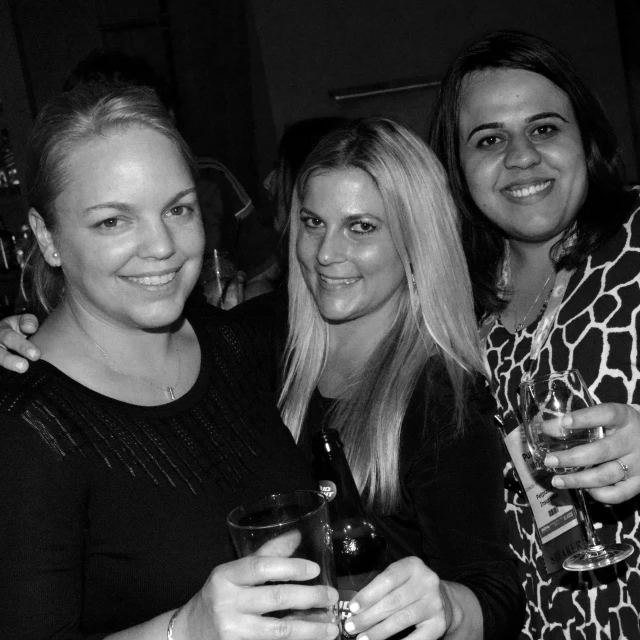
[332, 248]
[521, 153]
[156, 241]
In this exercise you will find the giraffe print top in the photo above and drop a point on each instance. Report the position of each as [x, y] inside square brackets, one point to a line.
[595, 331]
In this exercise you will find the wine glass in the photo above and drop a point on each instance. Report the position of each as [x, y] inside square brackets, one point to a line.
[544, 401]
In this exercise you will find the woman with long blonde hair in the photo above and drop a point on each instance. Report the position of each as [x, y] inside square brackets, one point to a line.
[383, 347]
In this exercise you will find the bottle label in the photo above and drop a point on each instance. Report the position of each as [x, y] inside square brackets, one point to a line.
[345, 613]
[329, 489]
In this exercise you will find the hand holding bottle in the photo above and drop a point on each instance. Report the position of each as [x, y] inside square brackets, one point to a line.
[407, 593]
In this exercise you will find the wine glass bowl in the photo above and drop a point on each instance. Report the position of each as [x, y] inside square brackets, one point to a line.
[544, 401]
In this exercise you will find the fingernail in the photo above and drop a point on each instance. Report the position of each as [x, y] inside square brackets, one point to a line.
[349, 626]
[558, 482]
[551, 461]
[21, 366]
[566, 421]
[32, 353]
[332, 630]
[354, 607]
[363, 638]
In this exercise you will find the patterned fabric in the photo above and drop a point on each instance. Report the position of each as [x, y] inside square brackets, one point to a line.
[595, 331]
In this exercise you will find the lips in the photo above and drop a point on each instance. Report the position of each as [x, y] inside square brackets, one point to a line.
[532, 189]
[152, 280]
[337, 282]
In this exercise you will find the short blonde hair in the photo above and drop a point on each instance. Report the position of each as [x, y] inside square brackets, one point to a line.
[68, 120]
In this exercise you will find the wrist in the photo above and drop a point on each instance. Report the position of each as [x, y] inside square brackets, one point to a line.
[463, 614]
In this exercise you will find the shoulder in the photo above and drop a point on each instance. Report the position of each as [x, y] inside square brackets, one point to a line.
[19, 392]
[625, 240]
[430, 419]
[612, 269]
[36, 426]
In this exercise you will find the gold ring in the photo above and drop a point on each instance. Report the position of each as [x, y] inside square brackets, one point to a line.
[625, 470]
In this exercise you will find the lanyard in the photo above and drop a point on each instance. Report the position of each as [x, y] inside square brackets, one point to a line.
[544, 326]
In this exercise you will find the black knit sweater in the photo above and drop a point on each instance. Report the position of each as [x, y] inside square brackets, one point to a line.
[112, 513]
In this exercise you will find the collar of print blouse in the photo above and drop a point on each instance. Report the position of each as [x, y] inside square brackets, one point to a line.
[504, 281]
[545, 325]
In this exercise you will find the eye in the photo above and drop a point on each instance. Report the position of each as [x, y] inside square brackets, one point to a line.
[544, 130]
[310, 222]
[109, 223]
[181, 209]
[363, 227]
[488, 141]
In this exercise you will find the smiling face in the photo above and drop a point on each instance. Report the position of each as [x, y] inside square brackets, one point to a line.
[129, 233]
[521, 153]
[345, 250]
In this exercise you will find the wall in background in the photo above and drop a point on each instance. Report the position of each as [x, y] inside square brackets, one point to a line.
[310, 48]
[244, 69]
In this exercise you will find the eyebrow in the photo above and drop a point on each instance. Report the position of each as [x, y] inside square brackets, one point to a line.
[530, 119]
[351, 217]
[126, 208]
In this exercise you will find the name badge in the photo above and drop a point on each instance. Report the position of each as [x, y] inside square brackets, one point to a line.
[553, 510]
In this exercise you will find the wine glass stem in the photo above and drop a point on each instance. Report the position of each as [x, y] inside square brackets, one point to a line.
[592, 538]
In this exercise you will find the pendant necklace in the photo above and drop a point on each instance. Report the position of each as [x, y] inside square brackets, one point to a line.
[169, 389]
[519, 326]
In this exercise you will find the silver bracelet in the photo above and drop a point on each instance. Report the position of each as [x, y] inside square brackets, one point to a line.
[171, 623]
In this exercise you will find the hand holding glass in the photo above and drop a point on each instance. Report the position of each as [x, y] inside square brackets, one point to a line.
[545, 400]
[291, 525]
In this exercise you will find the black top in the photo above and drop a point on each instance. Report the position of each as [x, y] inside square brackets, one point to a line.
[452, 511]
[113, 513]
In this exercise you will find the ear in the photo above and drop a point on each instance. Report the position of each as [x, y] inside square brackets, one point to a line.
[44, 238]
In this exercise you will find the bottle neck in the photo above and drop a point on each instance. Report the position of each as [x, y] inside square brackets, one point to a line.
[335, 477]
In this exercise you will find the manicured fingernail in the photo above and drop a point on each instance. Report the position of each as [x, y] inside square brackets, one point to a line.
[558, 482]
[551, 461]
[349, 626]
[354, 607]
[21, 366]
[363, 638]
[32, 353]
[566, 421]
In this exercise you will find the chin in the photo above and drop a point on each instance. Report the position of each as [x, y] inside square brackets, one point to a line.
[158, 318]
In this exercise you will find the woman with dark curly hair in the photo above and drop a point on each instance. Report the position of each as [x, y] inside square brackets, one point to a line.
[552, 239]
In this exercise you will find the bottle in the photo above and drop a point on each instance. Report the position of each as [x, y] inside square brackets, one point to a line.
[359, 548]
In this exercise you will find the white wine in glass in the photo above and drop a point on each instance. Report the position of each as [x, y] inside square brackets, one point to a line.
[544, 400]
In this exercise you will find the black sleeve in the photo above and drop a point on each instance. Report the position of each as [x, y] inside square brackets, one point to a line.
[456, 487]
[42, 502]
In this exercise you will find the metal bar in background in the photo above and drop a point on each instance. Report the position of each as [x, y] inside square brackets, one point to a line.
[368, 91]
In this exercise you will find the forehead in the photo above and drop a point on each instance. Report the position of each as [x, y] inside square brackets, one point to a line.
[497, 95]
[122, 164]
[350, 190]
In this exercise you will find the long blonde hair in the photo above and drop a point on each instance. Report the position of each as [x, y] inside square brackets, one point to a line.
[434, 317]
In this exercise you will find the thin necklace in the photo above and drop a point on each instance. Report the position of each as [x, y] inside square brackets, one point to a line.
[519, 326]
[169, 389]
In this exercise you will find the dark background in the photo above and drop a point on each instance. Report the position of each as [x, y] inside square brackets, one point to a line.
[244, 69]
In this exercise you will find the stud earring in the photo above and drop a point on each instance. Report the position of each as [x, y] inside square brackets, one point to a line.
[56, 258]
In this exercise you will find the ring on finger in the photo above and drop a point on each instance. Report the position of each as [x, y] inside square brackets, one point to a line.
[625, 469]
